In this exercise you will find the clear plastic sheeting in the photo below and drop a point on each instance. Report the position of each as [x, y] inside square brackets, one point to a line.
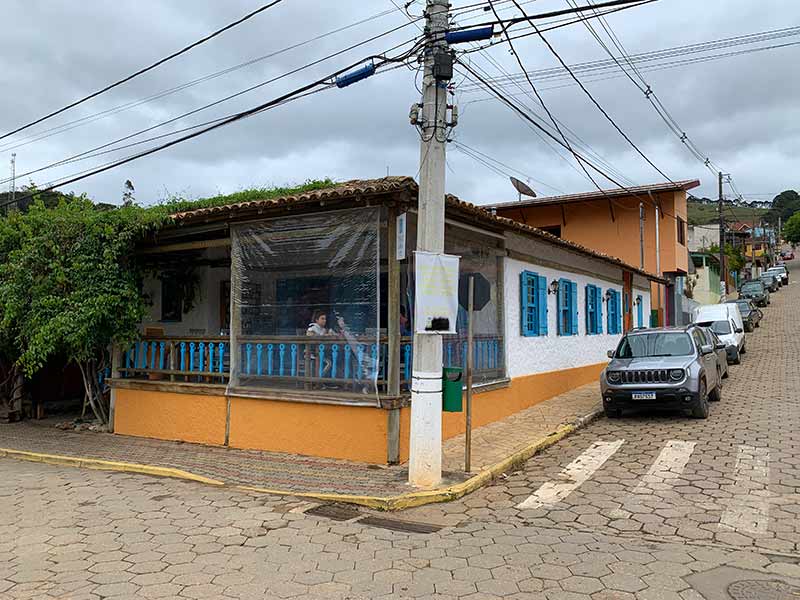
[306, 298]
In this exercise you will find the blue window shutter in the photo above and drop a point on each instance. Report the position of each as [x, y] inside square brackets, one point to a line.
[640, 311]
[563, 304]
[598, 298]
[541, 304]
[573, 306]
[612, 321]
[619, 313]
[523, 303]
[588, 307]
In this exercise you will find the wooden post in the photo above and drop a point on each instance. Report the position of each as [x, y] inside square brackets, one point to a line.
[116, 365]
[393, 308]
[173, 360]
[236, 314]
[470, 358]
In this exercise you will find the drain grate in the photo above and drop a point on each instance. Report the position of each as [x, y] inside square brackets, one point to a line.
[404, 526]
[335, 512]
[763, 590]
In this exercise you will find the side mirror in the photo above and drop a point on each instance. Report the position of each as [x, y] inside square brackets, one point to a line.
[739, 330]
[610, 354]
[706, 349]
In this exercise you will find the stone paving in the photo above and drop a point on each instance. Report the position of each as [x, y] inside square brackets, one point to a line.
[286, 472]
[720, 524]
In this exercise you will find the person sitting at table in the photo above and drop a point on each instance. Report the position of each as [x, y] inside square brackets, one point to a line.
[318, 324]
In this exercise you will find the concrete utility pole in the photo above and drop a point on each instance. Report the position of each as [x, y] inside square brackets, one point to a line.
[425, 449]
[13, 198]
[721, 234]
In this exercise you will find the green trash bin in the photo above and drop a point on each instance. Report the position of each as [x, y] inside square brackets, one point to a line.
[452, 386]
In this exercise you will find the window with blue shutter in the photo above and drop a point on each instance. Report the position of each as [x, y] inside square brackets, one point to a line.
[594, 310]
[619, 312]
[567, 307]
[541, 304]
[639, 311]
[529, 300]
[614, 313]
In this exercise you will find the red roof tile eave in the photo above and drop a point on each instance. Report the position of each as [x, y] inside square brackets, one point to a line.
[388, 186]
[683, 185]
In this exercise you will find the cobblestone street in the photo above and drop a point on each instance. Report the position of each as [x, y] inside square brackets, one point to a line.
[669, 508]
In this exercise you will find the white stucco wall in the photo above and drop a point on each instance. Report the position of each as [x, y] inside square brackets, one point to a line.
[539, 354]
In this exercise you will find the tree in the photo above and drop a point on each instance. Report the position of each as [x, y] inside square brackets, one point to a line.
[127, 194]
[784, 205]
[791, 230]
[70, 286]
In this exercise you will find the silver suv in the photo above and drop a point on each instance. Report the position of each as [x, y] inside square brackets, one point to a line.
[667, 367]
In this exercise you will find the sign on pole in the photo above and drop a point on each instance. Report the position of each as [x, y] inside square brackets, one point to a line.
[401, 237]
[436, 295]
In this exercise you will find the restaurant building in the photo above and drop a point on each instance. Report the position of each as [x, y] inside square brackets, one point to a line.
[286, 324]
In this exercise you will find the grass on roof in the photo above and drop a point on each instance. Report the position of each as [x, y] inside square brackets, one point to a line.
[175, 205]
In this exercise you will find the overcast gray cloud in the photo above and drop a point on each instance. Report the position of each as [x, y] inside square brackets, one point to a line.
[741, 111]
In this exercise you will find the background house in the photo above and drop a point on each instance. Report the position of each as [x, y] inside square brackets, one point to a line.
[608, 221]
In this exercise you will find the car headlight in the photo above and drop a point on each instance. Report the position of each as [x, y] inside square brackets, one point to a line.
[676, 374]
[614, 376]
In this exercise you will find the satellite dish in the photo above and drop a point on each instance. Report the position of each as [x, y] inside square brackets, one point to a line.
[522, 188]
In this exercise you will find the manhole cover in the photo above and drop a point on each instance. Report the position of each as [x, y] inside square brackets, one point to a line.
[336, 512]
[763, 590]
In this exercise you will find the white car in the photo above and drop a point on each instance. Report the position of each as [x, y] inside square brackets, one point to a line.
[726, 321]
[781, 273]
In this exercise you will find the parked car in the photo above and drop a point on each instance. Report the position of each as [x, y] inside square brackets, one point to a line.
[751, 316]
[665, 367]
[755, 290]
[726, 321]
[781, 272]
[771, 281]
[719, 348]
[787, 255]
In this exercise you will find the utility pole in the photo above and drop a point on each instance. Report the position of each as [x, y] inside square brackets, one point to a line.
[641, 235]
[425, 448]
[13, 198]
[722, 277]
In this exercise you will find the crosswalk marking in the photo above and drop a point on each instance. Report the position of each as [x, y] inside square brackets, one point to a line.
[748, 510]
[667, 468]
[572, 476]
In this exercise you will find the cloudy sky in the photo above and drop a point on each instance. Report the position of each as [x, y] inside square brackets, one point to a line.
[741, 111]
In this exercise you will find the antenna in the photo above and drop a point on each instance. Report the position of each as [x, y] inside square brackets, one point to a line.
[523, 189]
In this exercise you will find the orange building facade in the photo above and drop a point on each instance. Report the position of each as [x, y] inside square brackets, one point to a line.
[609, 222]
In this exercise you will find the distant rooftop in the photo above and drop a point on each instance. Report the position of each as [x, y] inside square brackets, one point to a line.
[653, 188]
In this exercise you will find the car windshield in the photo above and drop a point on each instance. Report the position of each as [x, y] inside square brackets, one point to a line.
[718, 327]
[744, 307]
[752, 287]
[655, 344]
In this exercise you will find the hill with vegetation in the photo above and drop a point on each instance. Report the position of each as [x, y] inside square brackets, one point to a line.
[704, 211]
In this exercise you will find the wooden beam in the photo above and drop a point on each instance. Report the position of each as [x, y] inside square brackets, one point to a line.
[611, 210]
[563, 216]
[393, 306]
[196, 245]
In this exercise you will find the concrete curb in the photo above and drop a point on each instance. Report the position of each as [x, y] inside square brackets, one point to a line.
[385, 503]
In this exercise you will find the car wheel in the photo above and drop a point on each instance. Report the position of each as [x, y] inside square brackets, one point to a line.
[716, 393]
[748, 328]
[743, 350]
[758, 323]
[700, 409]
[737, 359]
[613, 413]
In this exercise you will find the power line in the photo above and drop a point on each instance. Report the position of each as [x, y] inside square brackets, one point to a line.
[135, 134]
[145, 69]
[70, 125]
[324, 81]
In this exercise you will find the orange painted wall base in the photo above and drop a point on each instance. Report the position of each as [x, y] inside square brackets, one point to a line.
[334, 431]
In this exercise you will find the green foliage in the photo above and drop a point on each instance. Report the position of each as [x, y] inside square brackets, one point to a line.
[68, 283]
[735, 256]
[791, 230]
[784, 205]
[179, 204]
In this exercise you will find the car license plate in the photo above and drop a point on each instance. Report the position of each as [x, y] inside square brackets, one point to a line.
[643, 395]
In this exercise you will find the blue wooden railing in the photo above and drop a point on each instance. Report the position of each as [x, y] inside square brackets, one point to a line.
[296, 359]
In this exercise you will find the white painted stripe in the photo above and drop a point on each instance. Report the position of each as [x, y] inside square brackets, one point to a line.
[748, 510]
[667, 468]
[573, 475]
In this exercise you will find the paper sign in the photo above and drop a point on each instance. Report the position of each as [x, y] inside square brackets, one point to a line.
[401, 237]
[436, 293]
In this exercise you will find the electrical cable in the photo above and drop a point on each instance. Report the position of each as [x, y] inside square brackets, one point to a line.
[324, 81]
[217, 102]
[70, 125]
[145, 69]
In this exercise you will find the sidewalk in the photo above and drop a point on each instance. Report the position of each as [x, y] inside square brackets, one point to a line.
[497, 448]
